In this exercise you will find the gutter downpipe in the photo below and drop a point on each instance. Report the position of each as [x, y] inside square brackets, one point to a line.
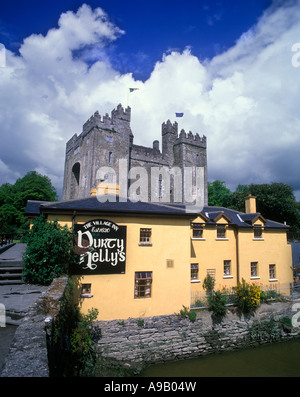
[73, 219]
[237, 255]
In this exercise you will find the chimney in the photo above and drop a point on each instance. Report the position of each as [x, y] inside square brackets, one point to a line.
[250, 204]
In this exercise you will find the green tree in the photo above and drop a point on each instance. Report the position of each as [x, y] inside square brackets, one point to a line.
[218, 194]
[49, 252]
[13, 199]
[275, 201]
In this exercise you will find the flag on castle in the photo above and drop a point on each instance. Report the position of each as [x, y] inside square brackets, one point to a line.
[133, 89]
[179, 114]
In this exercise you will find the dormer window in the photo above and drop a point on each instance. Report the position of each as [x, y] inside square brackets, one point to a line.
[258, 232]
[221, 231]
[197, 230]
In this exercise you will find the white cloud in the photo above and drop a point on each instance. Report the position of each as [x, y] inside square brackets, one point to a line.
[245, 100]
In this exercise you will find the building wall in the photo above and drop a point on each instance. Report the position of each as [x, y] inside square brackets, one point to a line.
[113, 295]
[273, 248]
[209, 252]
[241, 248]
[169, 257]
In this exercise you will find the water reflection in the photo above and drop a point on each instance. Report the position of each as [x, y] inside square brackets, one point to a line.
[273, 360]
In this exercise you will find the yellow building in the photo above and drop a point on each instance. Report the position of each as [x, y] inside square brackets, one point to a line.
[145, 259]
[231, 246]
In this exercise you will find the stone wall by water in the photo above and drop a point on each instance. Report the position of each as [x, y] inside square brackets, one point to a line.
[151, 340]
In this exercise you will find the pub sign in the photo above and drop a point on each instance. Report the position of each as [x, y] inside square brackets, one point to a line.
[101, 246]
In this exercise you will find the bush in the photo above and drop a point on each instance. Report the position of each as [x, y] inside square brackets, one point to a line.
[186, 313]
[208, 284]
[216, 304]
[247, 297]
[81, 344]
[49, 252]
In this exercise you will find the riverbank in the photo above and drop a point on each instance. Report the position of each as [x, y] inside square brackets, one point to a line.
[137, 343]
[269, 360]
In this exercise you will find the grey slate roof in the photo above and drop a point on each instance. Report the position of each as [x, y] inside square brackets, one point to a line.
[92, 205]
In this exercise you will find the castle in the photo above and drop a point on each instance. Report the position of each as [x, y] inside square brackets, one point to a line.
[104, 141]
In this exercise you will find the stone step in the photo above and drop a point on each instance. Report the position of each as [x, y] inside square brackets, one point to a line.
[12, 282]
[10, 263]
[10, 275]
[10, 269]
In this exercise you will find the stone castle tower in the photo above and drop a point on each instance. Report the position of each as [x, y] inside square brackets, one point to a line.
[104, 141]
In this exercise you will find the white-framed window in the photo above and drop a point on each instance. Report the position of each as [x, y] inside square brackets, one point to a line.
[194, 271]
[272, 272]
[227, 268]
[145, 236]
[254, 269]
[143, 283]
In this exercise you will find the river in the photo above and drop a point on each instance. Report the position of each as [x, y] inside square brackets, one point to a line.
[280, 359]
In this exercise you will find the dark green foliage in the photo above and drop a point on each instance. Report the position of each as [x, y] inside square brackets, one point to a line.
[218, 194]
[49, 252]
[13, 199]
[186, 313]
[70, 349]
[275, 201]
[216, 304]
[208, 284]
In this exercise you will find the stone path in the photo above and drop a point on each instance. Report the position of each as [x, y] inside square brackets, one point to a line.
[15, 298]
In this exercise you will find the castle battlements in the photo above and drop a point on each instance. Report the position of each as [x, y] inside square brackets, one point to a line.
[190, 138]
[117, 115]
[105, 140]
[117, 122]
[169, 128]
[183, 137]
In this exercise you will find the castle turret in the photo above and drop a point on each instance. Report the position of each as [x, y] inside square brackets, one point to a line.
[169, 134]
[102, 142]
[94, 156]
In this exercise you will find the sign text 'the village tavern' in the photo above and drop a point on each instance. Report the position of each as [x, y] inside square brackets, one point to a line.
[101, 245]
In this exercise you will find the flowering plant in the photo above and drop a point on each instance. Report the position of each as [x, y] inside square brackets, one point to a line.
[247, 296]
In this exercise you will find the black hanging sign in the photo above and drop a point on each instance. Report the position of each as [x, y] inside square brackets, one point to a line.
[101, 245]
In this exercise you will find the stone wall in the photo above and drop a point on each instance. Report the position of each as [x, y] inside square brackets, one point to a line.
[28, 353]
[145, 341]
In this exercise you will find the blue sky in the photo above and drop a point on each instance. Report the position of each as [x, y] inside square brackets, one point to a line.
[152, 28]
[228, 65]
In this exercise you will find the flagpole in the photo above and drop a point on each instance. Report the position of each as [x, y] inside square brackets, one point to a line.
[178, 115]
[130, 90]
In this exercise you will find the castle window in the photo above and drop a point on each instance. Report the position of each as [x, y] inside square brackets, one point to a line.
[143, 282]
[109, 139]
[145, 237]
[109, 157]
[76, 172]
